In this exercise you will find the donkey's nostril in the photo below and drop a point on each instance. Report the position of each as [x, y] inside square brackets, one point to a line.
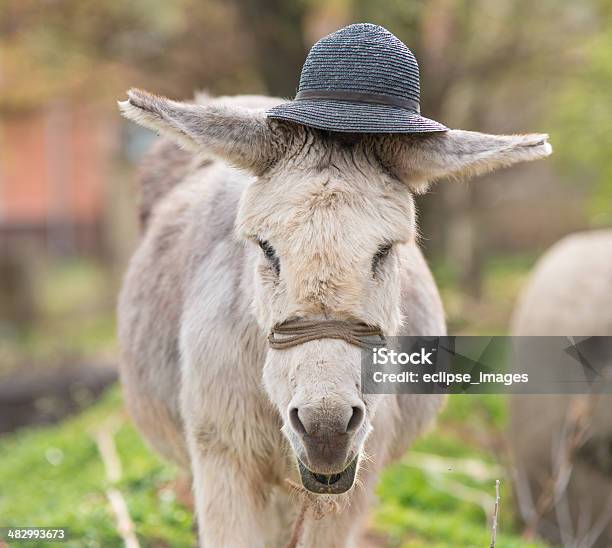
[294, 418]
[356, 419]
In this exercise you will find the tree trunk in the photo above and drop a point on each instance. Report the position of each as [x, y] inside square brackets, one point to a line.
[276, 28]
[463, 237]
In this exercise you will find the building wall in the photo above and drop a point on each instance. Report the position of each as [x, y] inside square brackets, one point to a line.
[53, 167]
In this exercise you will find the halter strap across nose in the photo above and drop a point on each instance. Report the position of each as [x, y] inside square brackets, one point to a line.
[295, 332]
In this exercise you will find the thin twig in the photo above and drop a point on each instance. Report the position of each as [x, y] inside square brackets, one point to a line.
[112, 466]
[495, 516]
[125, 526]
[108, 452]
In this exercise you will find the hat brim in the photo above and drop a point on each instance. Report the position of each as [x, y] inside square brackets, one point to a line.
[354, 117]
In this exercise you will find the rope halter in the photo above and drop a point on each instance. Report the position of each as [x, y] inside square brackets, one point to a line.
[294, 332]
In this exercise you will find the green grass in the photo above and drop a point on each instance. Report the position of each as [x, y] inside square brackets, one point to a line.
[434, 506]
[54, 477]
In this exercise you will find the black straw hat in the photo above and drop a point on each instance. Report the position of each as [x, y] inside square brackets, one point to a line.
[360, 79]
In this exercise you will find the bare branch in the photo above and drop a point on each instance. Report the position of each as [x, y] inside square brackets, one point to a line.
[112, 466]
[495, 516]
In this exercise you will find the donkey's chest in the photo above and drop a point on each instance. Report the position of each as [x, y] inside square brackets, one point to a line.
[222, 354]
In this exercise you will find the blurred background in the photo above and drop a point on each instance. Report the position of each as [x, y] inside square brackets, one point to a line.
[68, 223]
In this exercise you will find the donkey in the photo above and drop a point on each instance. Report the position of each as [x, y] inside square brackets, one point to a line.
[568, 294]
[256, 222]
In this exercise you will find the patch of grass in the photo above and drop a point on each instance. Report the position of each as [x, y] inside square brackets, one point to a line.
[420, 506]
[54, 477]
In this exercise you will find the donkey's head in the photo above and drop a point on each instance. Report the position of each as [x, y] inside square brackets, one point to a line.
[329, 213]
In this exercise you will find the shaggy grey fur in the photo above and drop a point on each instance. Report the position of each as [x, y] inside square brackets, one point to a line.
[199, 298]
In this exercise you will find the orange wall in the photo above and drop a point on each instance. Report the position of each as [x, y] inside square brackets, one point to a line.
[52, 167]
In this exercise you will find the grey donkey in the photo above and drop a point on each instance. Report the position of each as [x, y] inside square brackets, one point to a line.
[252, 223]
[569, 294]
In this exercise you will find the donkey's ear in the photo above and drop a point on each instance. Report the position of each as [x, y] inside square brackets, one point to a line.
[418, 159]
[243, 137]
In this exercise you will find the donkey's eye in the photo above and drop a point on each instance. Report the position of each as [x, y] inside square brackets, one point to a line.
[381, 255]
[270, 254]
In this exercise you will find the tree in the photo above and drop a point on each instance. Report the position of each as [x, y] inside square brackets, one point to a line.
[483, 67]
[276, 31]
[581, 112]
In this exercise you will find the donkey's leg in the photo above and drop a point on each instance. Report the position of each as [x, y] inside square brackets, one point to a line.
[230, 499]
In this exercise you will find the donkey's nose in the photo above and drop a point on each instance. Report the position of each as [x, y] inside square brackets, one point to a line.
[317, 420]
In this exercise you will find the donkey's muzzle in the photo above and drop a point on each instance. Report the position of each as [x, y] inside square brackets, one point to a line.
[327, 434]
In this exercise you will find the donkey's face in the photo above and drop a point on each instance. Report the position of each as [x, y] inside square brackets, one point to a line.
[328, 220]
[330, 213]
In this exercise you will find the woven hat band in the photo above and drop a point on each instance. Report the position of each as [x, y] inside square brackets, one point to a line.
[358, 97]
